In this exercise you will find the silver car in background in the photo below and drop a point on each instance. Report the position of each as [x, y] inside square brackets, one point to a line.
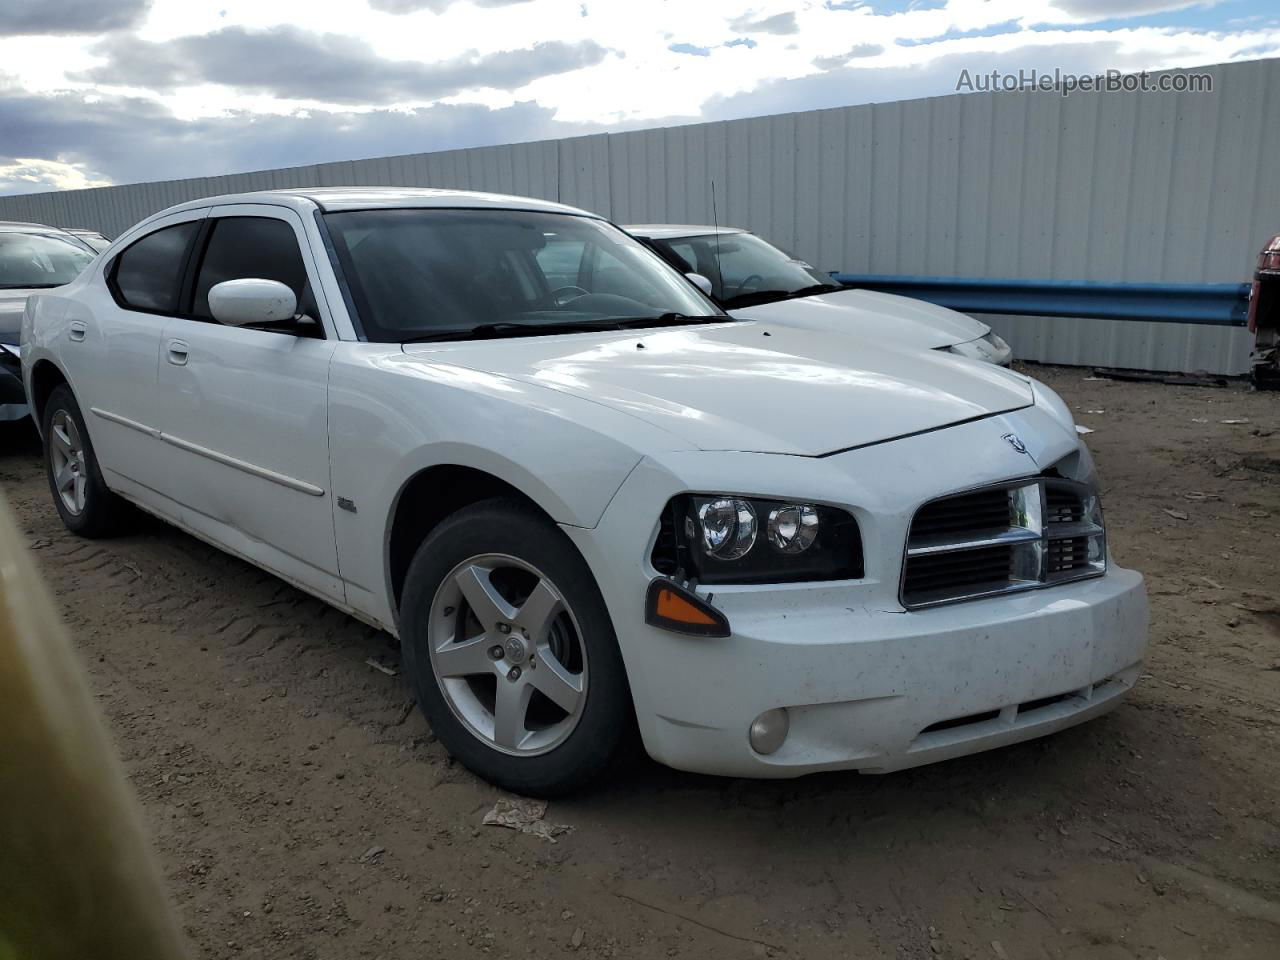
[754, 280]
[92, 237]
[32, 257]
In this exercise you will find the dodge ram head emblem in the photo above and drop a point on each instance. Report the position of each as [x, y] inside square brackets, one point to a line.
[1015, 442]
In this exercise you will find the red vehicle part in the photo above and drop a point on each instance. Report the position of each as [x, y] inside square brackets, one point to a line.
[1264, 317]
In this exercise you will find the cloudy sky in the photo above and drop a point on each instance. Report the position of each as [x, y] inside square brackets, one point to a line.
[112, 91]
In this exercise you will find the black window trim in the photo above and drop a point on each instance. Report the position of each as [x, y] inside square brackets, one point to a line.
[336, 264]
[195, 257]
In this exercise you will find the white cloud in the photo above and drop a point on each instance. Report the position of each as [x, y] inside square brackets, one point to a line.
[29, 175]
[1119, 9]
[69, 16]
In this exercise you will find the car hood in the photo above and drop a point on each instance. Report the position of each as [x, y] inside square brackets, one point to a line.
[751, 386]
[12, 303]
[879, 315]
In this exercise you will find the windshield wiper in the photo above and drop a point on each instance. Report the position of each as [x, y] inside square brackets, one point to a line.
[495, 331]
[757, 297]
[815, 289]
[29, 286]
[669, 320]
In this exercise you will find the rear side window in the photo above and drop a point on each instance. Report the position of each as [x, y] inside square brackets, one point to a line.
[148, 273]
[259, 248]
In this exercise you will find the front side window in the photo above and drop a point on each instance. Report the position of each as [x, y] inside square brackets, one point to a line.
[36, 260]
[742, 267]
[437, 273]
[241, 248]
[147, 275]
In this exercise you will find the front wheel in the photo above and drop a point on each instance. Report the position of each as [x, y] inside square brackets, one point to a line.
[511, 651]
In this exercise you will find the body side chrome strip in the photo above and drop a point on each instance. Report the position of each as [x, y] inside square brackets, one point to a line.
[250, 468]
[125, 422]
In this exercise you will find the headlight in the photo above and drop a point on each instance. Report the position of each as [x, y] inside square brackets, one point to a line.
[793, 528]
[727, 528]
[721, 538]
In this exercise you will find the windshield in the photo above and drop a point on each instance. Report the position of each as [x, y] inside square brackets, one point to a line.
[40, 259]
[418, 274]
[741, 265]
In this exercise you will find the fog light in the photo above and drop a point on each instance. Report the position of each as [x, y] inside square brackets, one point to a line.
[769, 730]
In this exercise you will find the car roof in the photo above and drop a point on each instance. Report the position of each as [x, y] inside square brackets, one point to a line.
[673, 231]
[18, 226]
[334, 199]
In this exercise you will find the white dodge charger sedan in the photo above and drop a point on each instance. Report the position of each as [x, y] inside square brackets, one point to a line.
[582, 495]
[754, 279]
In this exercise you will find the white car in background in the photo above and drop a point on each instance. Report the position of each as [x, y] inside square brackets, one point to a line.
[90, 237]
[32, 257]
[582, 495]
[754, 279]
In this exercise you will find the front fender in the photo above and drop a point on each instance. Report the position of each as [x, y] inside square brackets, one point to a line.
[43, 326]
[392, 416]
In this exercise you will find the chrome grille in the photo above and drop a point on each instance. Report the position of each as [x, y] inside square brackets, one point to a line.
[1014, 536]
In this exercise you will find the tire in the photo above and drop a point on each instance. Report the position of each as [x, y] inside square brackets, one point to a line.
[87, 507]
[499, 604]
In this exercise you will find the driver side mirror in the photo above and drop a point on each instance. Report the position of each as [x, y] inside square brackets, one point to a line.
[701, 282]
[245, 303]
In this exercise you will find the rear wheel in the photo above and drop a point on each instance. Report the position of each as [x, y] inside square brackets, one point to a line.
[511, 651]
[80, 494]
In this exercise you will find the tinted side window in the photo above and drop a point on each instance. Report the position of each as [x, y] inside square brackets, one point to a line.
[251, 247]
[147, 274]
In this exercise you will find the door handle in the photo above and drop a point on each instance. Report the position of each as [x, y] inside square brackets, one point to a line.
[76, 332]
[178, 352]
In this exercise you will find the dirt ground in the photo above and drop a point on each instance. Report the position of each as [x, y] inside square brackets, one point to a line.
[299, 811]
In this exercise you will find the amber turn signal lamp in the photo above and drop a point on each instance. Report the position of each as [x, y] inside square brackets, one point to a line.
[672, 607]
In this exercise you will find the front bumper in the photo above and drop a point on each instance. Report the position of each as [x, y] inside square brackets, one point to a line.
[877, 691]
[13, 398]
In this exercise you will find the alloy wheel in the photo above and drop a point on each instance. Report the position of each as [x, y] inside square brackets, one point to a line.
[507, 653]
[70, 470]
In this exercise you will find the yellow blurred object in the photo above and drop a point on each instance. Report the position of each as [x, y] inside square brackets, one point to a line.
[77, 878]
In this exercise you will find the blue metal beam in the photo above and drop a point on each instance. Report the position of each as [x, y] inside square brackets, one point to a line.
[1214, 304]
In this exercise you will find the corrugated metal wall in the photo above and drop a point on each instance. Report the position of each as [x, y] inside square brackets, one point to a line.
[1133, 187]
